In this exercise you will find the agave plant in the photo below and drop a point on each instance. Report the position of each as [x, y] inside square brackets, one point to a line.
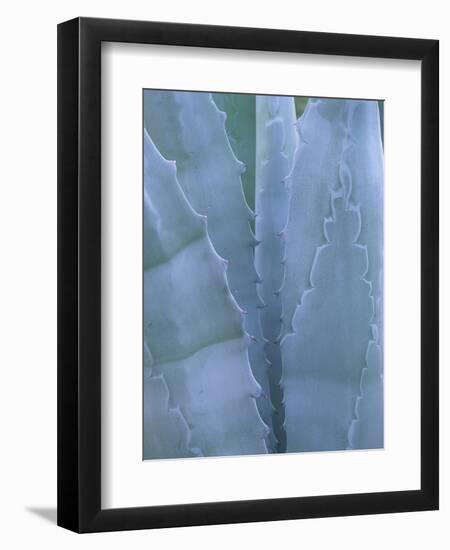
[263, 270]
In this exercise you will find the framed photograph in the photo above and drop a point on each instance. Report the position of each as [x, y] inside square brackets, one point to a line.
[247, 276]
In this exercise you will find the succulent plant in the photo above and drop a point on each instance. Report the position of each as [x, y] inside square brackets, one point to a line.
[228, 312]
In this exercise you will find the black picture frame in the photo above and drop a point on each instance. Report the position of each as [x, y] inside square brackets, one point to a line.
[79, 274]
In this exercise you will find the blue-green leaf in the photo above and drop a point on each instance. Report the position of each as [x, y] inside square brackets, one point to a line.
[324, 357]
[275, 145]
[333, 278]
[194, 338]
[189, 128]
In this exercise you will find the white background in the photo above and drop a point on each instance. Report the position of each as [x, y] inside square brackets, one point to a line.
[126, 69]
[28, 289]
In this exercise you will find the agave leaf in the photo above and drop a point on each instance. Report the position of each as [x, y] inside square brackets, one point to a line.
[366, 430]
[314, 174]
[324, 357]
[275, 145]
[241, 130]
[361, 169]
[339, 155]
[189, 128]
[193, 330]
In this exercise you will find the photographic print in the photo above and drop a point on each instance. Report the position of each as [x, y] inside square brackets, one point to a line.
[262, 274]
[272, 302]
